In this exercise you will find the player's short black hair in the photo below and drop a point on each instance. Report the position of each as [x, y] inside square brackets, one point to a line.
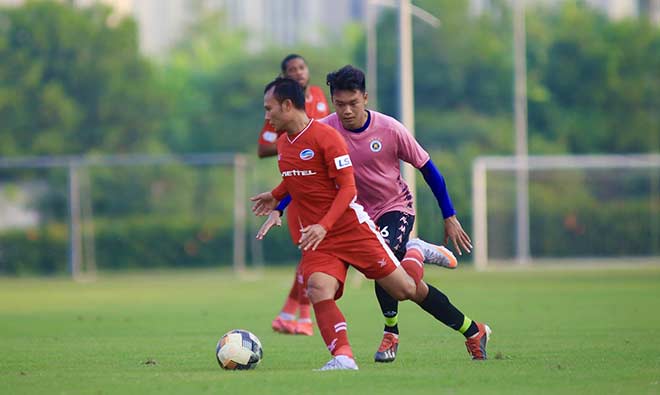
[348, 78]
[286, 88]
[286, 60]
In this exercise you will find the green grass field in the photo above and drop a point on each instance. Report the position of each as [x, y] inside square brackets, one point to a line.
[579, 331]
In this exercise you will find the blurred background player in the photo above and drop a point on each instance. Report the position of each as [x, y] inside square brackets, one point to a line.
[295, 67]
[376, 144]
[334, 231]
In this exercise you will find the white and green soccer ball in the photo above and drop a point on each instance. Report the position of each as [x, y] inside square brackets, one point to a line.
[239, 350]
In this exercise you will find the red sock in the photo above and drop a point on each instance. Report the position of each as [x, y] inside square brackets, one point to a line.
[413, 264]
[291, 304]
[332, 325]
[303, 299]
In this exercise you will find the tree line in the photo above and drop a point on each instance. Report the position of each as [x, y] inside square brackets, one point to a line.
[73, 81]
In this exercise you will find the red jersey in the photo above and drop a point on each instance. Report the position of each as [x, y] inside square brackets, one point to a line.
[318, 174]
[309, 163]
[316, 107]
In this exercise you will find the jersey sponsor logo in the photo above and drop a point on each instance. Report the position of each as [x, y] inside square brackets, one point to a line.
[342, 162]
[375, 145]
[306, 154]
[320, 106]
[293, 173]
[270, 136]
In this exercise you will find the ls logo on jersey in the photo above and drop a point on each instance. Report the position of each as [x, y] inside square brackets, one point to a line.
[342, 162]
[306, 154]
[375, 145]
[270, 136]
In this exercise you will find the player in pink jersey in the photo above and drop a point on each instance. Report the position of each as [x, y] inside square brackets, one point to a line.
[316, 107]
[334, 230]
[376, 144]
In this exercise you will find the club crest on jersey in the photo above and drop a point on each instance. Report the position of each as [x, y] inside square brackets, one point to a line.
[342, 162]
[375, 145]
[306, 154]
[320, 106]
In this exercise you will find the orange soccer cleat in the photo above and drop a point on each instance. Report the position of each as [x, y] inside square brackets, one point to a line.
[434, 254]
[284, 326]
[476, 345]
[305, 328]
[388, 348]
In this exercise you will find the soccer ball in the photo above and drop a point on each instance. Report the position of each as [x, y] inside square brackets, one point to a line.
[238, 350]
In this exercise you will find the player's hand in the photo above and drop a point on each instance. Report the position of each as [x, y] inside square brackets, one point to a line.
[312, 236]
[264, 203]
[273, 220]
[455, 232]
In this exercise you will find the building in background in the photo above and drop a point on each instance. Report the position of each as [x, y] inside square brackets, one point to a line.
[290, 22]
[279, 22]
[615, 9]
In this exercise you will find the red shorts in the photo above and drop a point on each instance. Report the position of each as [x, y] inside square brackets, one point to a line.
[363, 248]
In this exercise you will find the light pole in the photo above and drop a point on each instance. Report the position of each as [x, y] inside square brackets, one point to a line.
[372, 40]
[406, 92]
[520, 115]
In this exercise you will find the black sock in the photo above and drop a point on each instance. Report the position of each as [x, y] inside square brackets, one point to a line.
[438, 305]
[389, 306]
[472, 330]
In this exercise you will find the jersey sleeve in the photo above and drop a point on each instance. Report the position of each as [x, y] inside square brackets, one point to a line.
[408, 149]
[335, 153]
[280, 191]
[268, 134]
[319, 106]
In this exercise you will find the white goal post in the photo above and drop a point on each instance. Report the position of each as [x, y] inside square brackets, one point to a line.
[482, 165]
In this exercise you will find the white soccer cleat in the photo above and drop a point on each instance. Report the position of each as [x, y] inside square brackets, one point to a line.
[437, 255]
[340, 362]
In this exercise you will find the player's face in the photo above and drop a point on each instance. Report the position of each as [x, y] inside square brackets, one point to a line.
[296, 69]
[351, 108]
[274, 112]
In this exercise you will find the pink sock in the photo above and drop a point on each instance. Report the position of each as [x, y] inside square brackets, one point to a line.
[413, 264]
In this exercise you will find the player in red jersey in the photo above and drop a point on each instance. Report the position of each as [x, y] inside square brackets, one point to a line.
[295, 67]
[332, 230]
[316, 107]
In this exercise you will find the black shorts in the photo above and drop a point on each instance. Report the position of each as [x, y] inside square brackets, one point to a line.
[395, 227]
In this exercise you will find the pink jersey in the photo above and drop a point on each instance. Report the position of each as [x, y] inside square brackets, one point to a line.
[375, 153]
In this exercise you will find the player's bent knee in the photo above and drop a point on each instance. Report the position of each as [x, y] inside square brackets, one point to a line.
[409, 291]
[321, 288]
[399, 285]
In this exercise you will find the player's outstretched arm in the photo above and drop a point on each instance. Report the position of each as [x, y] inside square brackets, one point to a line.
[453, 228]
[454, 231]
[264, 203]
[274, 219]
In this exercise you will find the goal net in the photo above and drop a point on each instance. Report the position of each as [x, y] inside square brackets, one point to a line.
[579, 208]
[74, 214]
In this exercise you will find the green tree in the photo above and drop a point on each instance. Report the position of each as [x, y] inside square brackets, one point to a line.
[219, 85]
[72, 81]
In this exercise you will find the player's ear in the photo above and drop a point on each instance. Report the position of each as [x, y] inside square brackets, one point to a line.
[366, 98]
[287, 105]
